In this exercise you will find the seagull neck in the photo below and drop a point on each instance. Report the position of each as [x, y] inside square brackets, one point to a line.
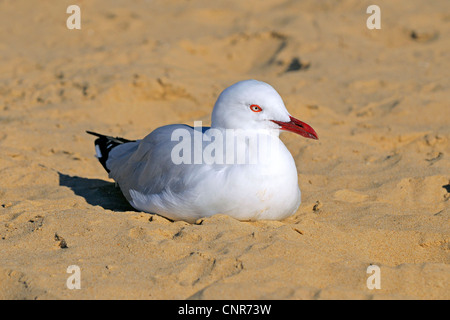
[249, 132]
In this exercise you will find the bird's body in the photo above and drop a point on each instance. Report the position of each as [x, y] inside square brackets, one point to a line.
[250, 175]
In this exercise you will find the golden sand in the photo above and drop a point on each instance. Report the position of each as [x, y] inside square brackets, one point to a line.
[375, 187]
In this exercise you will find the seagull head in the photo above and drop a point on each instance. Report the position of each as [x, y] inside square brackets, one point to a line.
[256, 105]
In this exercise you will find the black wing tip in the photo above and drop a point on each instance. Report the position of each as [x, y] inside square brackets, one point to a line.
[104, 144]
[95, 133]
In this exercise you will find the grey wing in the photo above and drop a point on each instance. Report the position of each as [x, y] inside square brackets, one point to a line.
[146, 165]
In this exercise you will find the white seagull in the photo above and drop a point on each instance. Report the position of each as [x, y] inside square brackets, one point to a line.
[157, 176]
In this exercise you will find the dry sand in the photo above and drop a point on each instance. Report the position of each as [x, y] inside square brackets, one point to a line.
[375, 186]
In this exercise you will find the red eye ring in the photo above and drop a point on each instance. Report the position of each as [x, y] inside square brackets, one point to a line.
[255, 108]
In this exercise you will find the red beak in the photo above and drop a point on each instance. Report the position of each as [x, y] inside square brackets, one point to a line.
[298, 127]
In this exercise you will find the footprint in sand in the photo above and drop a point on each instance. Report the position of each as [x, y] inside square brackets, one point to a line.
[349, 196]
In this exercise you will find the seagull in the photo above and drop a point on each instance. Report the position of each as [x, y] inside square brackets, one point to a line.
[187, 173]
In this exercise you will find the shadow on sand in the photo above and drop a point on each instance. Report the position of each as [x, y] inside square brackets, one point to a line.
[96, 192]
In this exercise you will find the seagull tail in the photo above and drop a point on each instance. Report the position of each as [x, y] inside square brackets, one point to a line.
[104, 145]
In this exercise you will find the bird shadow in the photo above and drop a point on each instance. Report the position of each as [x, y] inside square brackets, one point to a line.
[96, 192]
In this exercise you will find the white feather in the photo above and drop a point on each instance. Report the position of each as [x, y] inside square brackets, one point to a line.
[98, 152]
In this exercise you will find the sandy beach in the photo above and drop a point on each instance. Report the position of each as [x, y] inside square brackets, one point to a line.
[375, 187]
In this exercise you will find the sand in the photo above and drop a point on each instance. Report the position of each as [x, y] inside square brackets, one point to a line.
[375, 187]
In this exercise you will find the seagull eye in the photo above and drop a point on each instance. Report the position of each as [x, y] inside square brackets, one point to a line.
[255, 108]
